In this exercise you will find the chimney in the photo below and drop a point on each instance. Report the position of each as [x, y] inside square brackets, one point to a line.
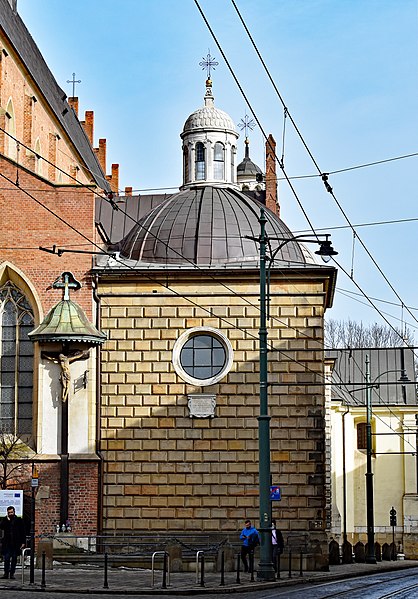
[73, 102]
[271, 177]
[128, 191]
[101, 153]
[89, 124]
[114, 178]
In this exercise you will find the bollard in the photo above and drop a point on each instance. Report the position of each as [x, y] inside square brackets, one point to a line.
[164, 584]
[43, 584]
[222, 569]
[290, 564]
[301, 564]
[252, 565]
[238, 567]
[105, 583]
[202, 570]
[278, 565]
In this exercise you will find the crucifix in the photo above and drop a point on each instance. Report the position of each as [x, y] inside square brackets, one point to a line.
[208, 63]
[73, 81]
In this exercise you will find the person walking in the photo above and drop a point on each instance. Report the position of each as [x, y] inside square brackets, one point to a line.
[277, 542]
[13, 541]
[250, 539]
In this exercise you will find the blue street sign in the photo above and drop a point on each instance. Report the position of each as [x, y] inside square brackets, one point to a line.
[275, 494]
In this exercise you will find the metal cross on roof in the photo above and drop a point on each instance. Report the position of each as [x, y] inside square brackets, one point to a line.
[208, 63]
[73, 81]
[246, 123]
[66, 281]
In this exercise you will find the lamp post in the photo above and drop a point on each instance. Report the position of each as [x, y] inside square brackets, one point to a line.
[370, 557]
[266, 570]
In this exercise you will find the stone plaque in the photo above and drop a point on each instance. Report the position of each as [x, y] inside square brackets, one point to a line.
[202, 405]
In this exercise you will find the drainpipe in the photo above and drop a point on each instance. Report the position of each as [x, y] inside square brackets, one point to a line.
[98, 412]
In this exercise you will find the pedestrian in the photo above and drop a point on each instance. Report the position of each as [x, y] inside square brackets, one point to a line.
[13, 541]
[250, 539]
[277, 542]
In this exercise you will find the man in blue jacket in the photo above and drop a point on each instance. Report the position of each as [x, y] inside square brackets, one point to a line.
[250, 539]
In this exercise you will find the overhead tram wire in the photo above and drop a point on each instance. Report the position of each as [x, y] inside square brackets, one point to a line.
[323, 175]
[209, 311]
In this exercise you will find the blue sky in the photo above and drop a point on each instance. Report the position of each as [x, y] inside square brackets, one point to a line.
[348, 73]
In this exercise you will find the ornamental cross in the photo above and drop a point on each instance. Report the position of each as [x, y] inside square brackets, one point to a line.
[246, 123]
[66, 281]
[73, 81]
[208, 63]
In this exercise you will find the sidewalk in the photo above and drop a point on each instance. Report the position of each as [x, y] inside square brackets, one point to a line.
[90, 579]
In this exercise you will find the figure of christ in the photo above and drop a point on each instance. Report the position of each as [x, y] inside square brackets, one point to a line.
[64, 362]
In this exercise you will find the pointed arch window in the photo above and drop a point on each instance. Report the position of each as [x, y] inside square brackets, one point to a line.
[16, 361]
[219, 161]
[200, 161]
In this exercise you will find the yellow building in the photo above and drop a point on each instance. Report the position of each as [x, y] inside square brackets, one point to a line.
[393, 448]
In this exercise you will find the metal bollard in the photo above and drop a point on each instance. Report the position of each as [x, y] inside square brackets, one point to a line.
[222, 569]
[43, 583]
[164, 584]
[301, 564]
[202, 570]
[105, 583]
[290, 564]
[238, 567]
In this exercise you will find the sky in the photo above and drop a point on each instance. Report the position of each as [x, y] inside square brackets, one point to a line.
[347, 72]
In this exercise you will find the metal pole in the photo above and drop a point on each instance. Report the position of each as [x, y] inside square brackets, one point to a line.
[370, 557]
[105, 583]
[43, 583]
[32, 533]
[222, 569]
[265, 569]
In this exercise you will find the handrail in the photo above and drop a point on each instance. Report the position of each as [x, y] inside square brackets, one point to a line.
[163, 553]
[23, 562]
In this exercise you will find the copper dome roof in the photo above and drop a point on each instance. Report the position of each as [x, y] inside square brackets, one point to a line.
[207, 226]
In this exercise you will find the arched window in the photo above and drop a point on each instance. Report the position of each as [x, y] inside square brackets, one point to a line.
[186, 164]
[219, 162]
[233, 152]
[200, 161]
[16, 361]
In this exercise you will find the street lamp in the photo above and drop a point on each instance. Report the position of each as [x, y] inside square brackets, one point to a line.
[326, 251]
[370, 556]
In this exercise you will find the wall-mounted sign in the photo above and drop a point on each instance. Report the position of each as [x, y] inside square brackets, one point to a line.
[11, 497]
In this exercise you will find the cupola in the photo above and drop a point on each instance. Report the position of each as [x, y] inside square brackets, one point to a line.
[209, 146]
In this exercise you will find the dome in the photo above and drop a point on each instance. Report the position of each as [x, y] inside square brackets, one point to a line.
[207, 226]
[208, 117]
[248, 168]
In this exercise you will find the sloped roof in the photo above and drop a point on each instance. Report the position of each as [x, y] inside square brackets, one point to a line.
[386, 367]
[30, 55]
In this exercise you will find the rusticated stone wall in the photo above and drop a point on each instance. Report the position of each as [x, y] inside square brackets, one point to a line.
[166, 471]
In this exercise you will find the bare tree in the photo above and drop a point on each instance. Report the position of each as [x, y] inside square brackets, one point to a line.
[15, 456]
[349, 333]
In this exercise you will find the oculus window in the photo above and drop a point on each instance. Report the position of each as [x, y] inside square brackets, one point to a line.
[202, 356]
[16, 361]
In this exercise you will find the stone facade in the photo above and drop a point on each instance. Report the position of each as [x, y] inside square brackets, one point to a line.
[164, 470]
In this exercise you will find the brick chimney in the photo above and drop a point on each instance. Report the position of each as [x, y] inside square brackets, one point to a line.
[114, 178]
[271, 178]
[101, 153]
[73, 102]
[128, 191]
[88, 125]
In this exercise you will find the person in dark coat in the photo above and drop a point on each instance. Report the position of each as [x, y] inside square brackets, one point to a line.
[13, 541]
[277, 542]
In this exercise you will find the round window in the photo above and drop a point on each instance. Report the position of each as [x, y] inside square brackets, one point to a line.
[202, 356]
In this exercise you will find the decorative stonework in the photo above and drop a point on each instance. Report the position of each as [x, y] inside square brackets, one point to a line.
[201, 405]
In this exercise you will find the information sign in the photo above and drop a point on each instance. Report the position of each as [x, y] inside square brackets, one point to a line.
[11, 497]
[275, 493]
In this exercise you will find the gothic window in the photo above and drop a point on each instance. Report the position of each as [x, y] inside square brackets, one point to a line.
[16, 361]
[219, 162]
[200, 161]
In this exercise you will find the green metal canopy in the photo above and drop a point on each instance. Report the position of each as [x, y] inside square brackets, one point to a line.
[67, 322]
